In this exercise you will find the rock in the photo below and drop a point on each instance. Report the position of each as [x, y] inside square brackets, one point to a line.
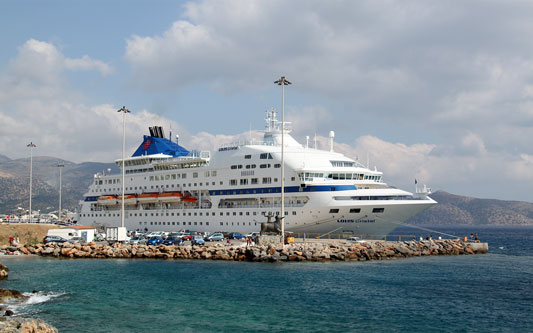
[10, 294]
[8, 313]
[26, 325]
[3, 272]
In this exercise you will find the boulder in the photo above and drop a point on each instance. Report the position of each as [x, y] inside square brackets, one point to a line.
[10, 294]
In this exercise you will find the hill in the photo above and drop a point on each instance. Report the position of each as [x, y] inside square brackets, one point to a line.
[76, 177]
[15, 178]
[457, 209]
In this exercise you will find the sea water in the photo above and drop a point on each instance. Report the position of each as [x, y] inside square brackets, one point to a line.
[481, 293]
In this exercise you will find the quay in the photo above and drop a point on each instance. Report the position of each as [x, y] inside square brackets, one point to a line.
[308, 250]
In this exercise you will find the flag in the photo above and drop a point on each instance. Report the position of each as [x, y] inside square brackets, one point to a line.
[416, 182]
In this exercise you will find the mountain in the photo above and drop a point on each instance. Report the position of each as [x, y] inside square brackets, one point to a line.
[15, 178]
[76, 177]
[457, 209]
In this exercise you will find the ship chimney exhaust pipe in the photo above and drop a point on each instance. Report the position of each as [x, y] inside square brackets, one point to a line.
[331, 136]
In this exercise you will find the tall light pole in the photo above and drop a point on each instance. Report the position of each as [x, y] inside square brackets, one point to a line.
[282, 82]
[124, 111]
[31, 145]
[60, 165]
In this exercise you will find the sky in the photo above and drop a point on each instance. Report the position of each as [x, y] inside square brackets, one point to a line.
[438, 91]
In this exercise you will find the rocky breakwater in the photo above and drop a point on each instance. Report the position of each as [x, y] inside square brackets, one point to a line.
[311, 251]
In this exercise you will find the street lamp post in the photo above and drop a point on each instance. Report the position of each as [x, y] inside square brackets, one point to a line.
[60, 165]
[282, 82]
[124, 111]
[31, 145]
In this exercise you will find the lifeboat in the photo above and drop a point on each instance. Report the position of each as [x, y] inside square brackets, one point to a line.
[170, 197]
[129, 199]
[189, 198]
[107, 200]
[147, 197]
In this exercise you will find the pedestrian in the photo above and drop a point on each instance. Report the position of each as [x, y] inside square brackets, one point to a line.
[10, 240]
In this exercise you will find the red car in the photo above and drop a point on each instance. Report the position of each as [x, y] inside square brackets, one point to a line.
[186, 237]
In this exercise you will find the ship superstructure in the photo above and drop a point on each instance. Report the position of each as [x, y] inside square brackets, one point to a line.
[168, 188]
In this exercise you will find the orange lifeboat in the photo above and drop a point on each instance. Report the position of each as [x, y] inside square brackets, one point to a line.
[170, 196]
[147, 197]
[107, 200]
[129, 199]
[189, 198]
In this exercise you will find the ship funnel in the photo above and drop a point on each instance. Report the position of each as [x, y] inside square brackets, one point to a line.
[331, 136]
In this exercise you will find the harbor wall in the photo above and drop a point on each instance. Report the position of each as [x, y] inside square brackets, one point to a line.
[309, 251]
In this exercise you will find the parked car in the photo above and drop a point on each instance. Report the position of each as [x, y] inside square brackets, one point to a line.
[215, 237]
[173, 240]
[356, 240]
[235, 235]
[155, 240]
[54, 239]
[77, 240]
[137, 240]
[198, 240]
[186, 237]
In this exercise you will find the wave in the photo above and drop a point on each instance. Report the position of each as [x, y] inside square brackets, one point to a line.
[41, 297]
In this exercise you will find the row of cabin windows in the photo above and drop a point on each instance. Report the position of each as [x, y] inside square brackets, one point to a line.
[184, 214]
[357, 210]
[174, 223]
[263, 156]
[253, 181]
[309, 176]
[253, 166]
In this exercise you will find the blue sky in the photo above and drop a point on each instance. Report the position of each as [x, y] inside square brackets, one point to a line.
[438, 91]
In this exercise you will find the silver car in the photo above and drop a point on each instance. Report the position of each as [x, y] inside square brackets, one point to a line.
[137, 240]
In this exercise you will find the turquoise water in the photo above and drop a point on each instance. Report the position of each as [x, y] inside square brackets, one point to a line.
[492, 292]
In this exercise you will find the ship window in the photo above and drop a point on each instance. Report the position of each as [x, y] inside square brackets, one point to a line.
[234, 213]
[262, 166]
[275, 180]
[267, 180]
[173, 176]
[378, 210]
[239, 166]
[277, 165]
[195, 223]
[293, 213]
[247, 166]
[333, 210]
[233, 167]
[355, 210]
[195, 175]
[167, 177]
[263, 156]
[233, 182]
[227, 214]
[244, 181]
[247, 157]
[206, 223]
[240, 213]
[151, 178]
[206, 174]
[213, 173]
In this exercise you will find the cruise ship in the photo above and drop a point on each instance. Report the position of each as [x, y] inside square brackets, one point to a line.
[235, 189]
